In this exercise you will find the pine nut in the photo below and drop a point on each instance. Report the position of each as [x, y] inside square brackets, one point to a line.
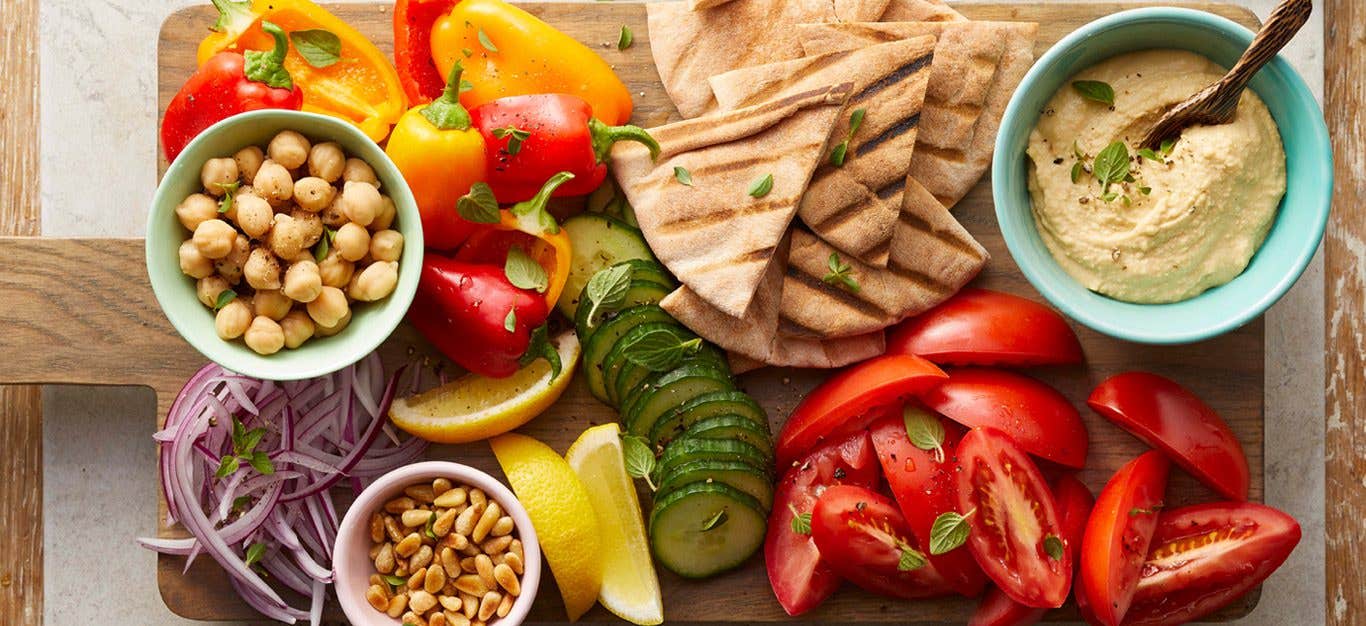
[471, 584]
[515, 547]
[437, 619]
[505, 606]
[478, 498]
[471, 605]
[450, 561]
[488, 605]
[401, 570]
[374, 550]
[378, 597]
[507, 579]
[443, 524]
[384, 561]
[392, 529]
[376, 579]
[421, 493]
[399, 505]
[408, 546]
[376, 527]
[456, 540]
[441, 485]
[423, 558]
[421, 601]
[513, 561]
[436, 579]
[484, 565]
[450, 603]
[397, 605]
[486, 521]
[451, 498]
[416, 580]
[415, 518]
[467, 565]
[465, 523]
[497, 545]
[456, 619]
[502, 527]
[414, 619]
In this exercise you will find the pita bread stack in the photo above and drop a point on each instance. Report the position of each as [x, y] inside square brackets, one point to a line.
[872, 130]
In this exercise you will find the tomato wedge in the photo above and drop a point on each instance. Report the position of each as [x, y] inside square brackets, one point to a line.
[846, 402]
[862, 535]
[983, 327]
[1074, 502]
[1012, 516]
[1034, 415]
[925, 487]
[1207, 555]
[1118, 533]
[800, 579]
[1168, 417]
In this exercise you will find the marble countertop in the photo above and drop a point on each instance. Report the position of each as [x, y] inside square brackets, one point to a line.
[98, 167]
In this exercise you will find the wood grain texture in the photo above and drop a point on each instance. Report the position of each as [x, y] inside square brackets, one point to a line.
[21, 425]
[1345, 294]
[88, 304]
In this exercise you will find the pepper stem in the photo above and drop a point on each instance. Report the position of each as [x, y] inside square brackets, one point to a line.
[234, 16]
[604, 136]
[269, 66]
[532, 215]
[446, 112]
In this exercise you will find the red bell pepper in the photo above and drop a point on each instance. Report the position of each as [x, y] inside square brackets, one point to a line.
[413, 20]
[227, 84]
[530, 138]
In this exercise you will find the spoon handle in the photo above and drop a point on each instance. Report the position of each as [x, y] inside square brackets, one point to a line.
[1279, 28]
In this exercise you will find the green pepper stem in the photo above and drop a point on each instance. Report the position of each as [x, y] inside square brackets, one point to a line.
[535, 209]
[446, 112]
[234, 16]
[604, 136]
[269, 67]
[281, 50]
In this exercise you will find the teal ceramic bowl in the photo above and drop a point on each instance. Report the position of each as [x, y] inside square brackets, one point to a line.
[1294, 236]
[371, 322]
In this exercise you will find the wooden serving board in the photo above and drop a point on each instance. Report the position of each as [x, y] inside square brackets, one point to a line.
[80, 311]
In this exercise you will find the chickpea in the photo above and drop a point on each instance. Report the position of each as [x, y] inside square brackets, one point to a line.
[385, 217]
[357, 170]
[254, 215]
[274, 183]
[298, 328]
[375, 282]
[328, 331]
[217, 175]
[195, 210]
[386, 245]
[313, 194]
[361, 202]
[262, 270]
[249, 161]
[209, 288]
[333, 216]
[310, 225]
[272, 304]
[264, 335]
[303, 282]
[233, 319]
[336, 271]
[289, 149]
[326, 161]
[193, 263]
[214, 238]
[329, 307]
[352, 241]
[230, 267]
[287, 237]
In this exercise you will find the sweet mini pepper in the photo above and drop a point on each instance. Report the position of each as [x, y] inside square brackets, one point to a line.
[227, 84]
[530, 138]
[440, 156]
[413, 20]
[509, 52]
[529, 226]
[357, 83]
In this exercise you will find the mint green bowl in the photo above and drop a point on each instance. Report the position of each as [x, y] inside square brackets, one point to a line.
[371, 322]
[1294, 236]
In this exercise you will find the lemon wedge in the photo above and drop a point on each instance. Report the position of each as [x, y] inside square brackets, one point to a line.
[562, 514]
[473, 407]
[630, 589]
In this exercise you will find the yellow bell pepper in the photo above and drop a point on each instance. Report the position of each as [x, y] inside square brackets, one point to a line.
[361, 86]
[509, 52]
[441, 156]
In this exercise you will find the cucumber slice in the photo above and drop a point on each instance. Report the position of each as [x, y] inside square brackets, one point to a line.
[642, 269]
[606, 335]
[642, 406]
[616, 361]
[734, 427]
[741, 476]
[683, 451]
[705, 528]
[597, 241]
[676, 421]
[640, 292]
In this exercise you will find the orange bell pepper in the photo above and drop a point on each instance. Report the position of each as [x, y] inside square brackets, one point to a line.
[529, 226]
[441, 156]
[509, 52]
[361, 86]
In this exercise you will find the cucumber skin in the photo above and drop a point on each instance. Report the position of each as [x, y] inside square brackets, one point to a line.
[632, 407]
[663, 433]
[594, 353]
[597, 241]
[710, 469]
[683, 451]
[700, 428]
[739, 498]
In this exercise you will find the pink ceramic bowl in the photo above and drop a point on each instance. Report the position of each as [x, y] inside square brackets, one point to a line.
[351, 558]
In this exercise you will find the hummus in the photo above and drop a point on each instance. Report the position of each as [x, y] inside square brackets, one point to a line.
[1176, 226]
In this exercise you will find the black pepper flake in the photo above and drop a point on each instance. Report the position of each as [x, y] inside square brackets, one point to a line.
[1057, 161]
[839, 473]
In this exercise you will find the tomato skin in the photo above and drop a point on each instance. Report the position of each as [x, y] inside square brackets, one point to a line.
[1168, 417]
[925, 488]
[1118, 534]
[1036, 416]
[983, 327]
[999, 484]
[799, 577]
[861, 533]
[1207, 555]
[846, 402]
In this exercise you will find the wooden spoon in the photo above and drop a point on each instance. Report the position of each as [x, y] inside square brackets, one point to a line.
[1216, 103]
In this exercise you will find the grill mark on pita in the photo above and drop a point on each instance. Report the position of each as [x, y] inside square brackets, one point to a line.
[902, 126]
[792, 328]
[906, 71]
[815, 64]
[688, 224]
[891, 189]
[836, 293]
[947, 238]
[761, 255]
[921, 279]
[951, 155]
[832, 95]
[882, 249]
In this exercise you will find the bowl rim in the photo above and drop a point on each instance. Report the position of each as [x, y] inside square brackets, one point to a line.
[357, 345]
[353, 523]
[1302, 98]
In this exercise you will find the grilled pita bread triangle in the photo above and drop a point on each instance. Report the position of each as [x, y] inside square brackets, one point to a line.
[846, 205]
[976, 67]
[691, 46]
[920, 11]
[713, 233]
[698, 5]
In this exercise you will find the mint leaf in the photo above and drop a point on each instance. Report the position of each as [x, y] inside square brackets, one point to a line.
[479, 205]
[255, 552]
[949, 531]
[761, 186]
[224, 297]
[607, 290]
[320, 48]
[1095, 90]
[801, 522]
[1053, 546]
[626, 39]
[683, 175]
[660, 349]
[640, 460]
[515, 137]
[716, 520]
[924, 430]
[524, 272]
[260, 462]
